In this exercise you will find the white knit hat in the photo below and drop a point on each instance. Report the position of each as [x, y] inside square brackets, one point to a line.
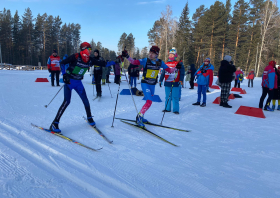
[227, 58]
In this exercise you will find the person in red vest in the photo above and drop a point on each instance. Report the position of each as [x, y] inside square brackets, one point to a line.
[54, 67]
[172, 82]
[251, 77]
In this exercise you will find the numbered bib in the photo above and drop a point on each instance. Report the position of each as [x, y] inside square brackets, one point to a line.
[152, 73]
[79, 71]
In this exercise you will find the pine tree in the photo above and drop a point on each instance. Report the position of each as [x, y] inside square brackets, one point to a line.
[16, 38]
[182, 41]
[237, 33]
[122, 43]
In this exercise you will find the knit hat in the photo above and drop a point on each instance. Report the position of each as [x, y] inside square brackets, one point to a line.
[54, 51]
[208, 59]
[155, 49]
[227, 58]
[173, 51]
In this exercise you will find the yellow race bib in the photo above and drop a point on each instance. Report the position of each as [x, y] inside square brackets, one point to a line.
[152, 73]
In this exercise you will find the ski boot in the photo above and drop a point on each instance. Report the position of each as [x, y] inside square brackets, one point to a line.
[222, 103]
[267, 108]
[176, 112]
[91, 121]
[278, 108]
[165, 110]
[273, 107]
[226, 105]
[54, 127]
[140, 120]
[197, 103]
[203, 105]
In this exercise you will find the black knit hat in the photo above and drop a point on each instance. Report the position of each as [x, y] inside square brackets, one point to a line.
[54, 51]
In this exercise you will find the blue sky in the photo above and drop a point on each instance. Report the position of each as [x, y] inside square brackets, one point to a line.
[106, 20]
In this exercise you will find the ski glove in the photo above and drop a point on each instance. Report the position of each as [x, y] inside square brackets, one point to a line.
[50, 70]
[125, 54]
[179, 66]
[160, 84]
[66, 78]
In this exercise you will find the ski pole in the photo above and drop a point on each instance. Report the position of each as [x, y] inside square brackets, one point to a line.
[167, 103]
[54, 96]
[116, 105]
[129, 87]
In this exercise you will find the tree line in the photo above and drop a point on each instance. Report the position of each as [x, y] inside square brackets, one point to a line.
[249, 32]
[28, 40]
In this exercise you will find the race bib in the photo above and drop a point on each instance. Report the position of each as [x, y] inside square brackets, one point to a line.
[151, 74]
[79, 71]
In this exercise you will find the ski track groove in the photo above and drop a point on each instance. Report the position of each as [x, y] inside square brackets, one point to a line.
[105, 179]
[39, 161]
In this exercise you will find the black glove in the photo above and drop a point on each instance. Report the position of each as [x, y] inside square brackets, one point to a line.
[50, 70]
[179, 66]
[160, 84]
[203, 71]
[125, 54]
[66, 78]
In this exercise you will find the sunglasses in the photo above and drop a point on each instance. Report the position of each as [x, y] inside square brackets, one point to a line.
[89, 49]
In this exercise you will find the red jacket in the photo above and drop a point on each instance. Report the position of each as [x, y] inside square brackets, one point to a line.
[251, 75]
[54, 63]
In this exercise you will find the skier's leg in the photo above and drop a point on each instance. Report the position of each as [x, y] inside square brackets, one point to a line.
[167, 93]
[148, 91]
[67, 98]
[52, 77]
[82, 93]
[264, 93]
[175, 98]
[131, 81]
[199, 89]
[204, 89]
[57, 77]
[134, 79]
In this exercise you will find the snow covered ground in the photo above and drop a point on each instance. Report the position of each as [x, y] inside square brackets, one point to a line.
[224, 155]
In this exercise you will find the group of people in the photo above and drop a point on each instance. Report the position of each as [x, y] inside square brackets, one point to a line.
[172, 74]
[270, 87]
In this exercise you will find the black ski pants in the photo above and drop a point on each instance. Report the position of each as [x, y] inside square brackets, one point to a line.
[98, 78]
[250, 81]
[56, 74]
[266, 91]
[235, 84]
[192, 83]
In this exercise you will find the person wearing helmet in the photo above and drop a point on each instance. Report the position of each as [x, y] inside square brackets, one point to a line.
[78, 65]
[149, 78]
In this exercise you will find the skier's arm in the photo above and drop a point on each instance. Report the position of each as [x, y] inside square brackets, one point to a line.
[166, 68]
[62, 68]
[100, 63]
[110, 63]
[49, 63]
[68, 60]
[137, 62]
[162, 76]
[271, 78]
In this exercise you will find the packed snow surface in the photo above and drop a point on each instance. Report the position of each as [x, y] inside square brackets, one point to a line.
[225, 154]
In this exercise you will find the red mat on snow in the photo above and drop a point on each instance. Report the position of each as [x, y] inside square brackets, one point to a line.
[195, 84]
[218, 99]
[41, 80]
[236, 89]
[250, 111]
[215, 87]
